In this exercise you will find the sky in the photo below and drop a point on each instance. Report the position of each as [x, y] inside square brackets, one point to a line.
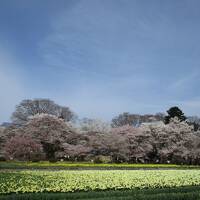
[101, 57]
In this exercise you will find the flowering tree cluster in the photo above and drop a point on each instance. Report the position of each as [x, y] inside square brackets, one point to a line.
[47, 136]
[48, 131]
[174, 142]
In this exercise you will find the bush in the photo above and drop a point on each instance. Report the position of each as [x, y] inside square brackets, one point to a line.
[2, 158]
[102, 159]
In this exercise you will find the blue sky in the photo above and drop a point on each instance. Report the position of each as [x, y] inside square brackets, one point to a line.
[101, 57]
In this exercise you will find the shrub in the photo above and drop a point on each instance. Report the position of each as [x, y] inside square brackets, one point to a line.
[102, 159]
[2, 158]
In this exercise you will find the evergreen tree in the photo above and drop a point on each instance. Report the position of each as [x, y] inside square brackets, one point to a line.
[174, 112]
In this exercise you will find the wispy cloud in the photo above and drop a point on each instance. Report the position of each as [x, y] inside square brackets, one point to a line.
[11, 87]
[184, 81]
[97, 45]
[102, 57]
[115, 50]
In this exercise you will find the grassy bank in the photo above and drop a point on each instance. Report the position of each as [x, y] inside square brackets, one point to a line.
[79, 165]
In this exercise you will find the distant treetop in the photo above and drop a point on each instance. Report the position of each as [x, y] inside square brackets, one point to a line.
[175, 112]
[28, 108]
[135, 119]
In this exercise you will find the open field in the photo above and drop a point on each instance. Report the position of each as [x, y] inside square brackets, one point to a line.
[94, 180]
[48, 181]
[81, 165]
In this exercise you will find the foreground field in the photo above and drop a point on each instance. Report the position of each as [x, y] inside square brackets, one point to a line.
[94, 180]
[182, 193]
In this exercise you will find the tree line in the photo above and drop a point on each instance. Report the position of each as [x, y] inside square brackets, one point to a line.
[44, 130]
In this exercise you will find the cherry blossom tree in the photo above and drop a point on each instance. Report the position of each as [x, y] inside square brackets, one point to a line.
[174, 142]
[137, 143]
[23, 148]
